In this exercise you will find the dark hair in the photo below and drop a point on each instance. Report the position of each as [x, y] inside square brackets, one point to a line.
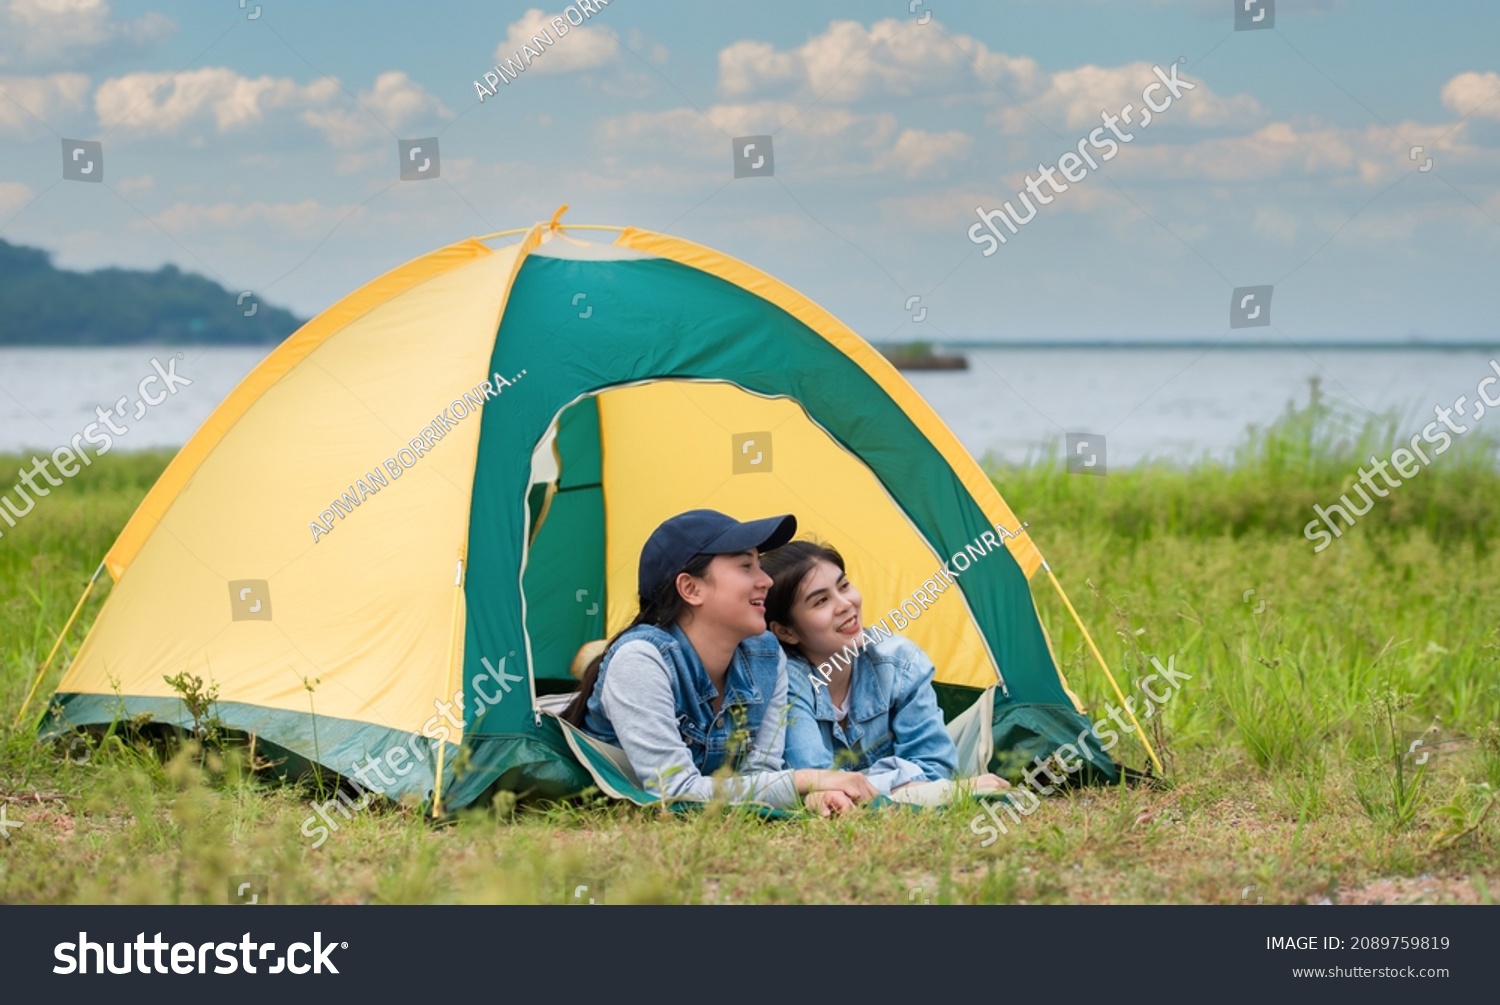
[788, 566]
[660, 610]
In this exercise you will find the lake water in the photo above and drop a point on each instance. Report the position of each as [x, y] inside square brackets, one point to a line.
[1148, 403]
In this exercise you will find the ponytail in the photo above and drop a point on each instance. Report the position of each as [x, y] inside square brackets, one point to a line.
[659, 610]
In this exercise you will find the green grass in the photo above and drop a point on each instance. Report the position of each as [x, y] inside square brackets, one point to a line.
[1288, 750]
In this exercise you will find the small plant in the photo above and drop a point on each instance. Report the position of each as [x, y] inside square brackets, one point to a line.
[1464, 813]
[1489, 753]
[1390, 784]
[208, 729]
[311, 686]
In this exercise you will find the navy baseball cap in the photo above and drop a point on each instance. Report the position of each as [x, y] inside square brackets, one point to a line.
[705, 532]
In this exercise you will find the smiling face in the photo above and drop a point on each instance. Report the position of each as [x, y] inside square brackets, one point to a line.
[731, 594]
[825, 613]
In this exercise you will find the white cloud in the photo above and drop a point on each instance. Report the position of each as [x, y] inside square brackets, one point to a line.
[136, 186]
[809, 142]
[942, 210]
[1276, 222]
[308, 218]
[217, 98]
[916, 152]
[13, 195]
[27, 102]
[163, 103]
[579, 48]
[1268, 152]
[818, 142]
[849, 62]
[1476, 94]
[396, 101]
[1373, 155]
[1078, 97]
[39, 33]
[646, 48]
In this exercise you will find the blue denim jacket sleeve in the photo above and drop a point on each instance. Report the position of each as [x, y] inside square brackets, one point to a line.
[917, 722]
[769, 751]
[808, 743]
[637, 697]
[893, 772]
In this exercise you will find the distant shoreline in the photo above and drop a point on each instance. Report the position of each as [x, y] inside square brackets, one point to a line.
[950, 345]
[954, 345]
[947, 344]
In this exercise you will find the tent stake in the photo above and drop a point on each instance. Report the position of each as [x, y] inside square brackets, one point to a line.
[56, 646]
[1100, 657]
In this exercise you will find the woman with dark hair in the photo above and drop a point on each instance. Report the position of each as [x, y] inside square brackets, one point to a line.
[877, 713]
[696, 682]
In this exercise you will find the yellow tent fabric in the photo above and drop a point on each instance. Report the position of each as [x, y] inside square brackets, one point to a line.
[834, 495]
[327, 399]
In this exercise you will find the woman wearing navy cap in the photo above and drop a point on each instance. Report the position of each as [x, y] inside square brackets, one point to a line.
[696, 681]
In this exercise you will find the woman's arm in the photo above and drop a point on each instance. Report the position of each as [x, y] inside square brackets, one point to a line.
[807, 744]
[917, 721]
[841, 787]
[767, 753]
[637, 698]
[890, 773]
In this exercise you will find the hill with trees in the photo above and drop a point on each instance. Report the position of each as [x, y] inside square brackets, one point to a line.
[41, 304]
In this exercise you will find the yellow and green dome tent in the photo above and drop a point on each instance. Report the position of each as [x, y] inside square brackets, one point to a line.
[440, 486]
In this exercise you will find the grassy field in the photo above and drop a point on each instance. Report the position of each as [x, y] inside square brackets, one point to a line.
[1291, 776]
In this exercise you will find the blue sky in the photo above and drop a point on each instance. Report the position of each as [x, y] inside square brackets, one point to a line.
[263, 152]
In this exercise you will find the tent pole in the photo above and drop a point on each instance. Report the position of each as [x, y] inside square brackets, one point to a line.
[458, 592]
[56, 646]
[1100, 657]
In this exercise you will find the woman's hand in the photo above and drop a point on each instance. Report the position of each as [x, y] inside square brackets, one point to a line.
[828, 802]
[987, 783]
[850, 783]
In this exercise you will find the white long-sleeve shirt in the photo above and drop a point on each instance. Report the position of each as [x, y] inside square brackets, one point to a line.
[636, 695]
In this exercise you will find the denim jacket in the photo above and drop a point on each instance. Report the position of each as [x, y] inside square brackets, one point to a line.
[894, 733]
[653, 699]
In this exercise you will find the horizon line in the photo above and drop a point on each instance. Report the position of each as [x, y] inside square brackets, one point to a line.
[956, 344]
